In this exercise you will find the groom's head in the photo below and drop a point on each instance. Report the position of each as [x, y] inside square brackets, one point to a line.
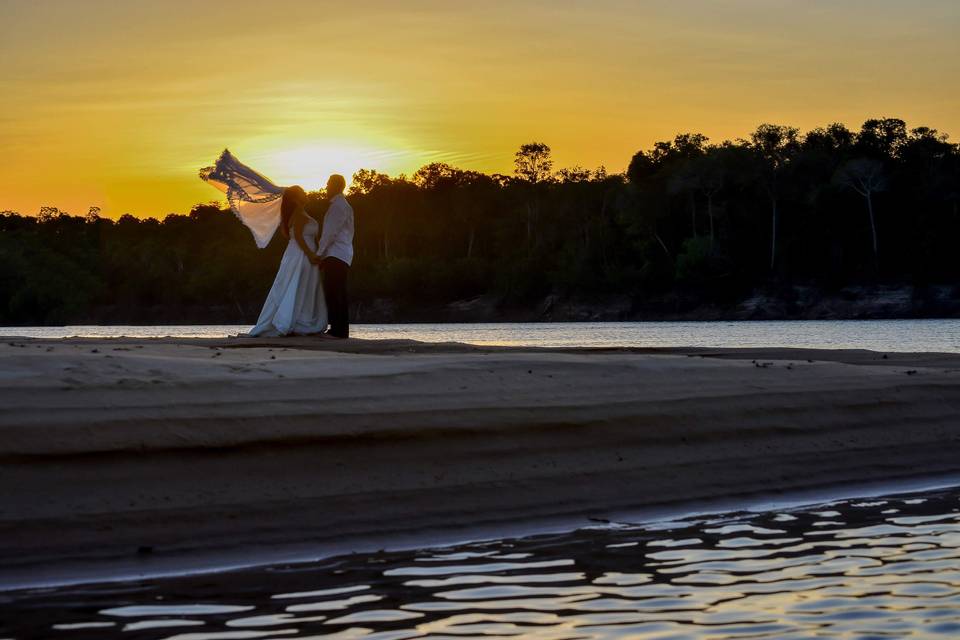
[335, 185]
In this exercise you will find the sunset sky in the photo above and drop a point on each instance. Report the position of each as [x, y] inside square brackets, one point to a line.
[118, 104]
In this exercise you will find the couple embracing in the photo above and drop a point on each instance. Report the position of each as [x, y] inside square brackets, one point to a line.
[300, 302]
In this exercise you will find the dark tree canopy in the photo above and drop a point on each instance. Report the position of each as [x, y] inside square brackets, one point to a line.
[690, 220]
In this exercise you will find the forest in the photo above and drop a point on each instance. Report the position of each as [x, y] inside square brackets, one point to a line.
[692, 229]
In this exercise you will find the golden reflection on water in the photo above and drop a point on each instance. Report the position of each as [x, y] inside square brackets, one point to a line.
[856, 569]
[942, 336]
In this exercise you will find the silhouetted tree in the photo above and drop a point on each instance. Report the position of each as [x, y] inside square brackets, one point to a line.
[865, 176]
[775, 146]
[882, 137]
[533, 162]
[681, 229]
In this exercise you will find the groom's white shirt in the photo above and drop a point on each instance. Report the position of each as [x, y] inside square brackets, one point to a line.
[337, 238]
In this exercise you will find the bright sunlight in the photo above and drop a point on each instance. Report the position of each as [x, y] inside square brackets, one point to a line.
[311, 165]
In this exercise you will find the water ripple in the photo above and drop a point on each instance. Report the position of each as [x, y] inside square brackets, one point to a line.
[860, 569]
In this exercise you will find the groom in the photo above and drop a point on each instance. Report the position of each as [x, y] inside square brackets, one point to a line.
[336, 253]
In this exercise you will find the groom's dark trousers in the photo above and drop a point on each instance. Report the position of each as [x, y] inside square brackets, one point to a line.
[335, 274]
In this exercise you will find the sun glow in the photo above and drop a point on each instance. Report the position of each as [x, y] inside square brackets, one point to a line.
[118, 104]
[310, 166]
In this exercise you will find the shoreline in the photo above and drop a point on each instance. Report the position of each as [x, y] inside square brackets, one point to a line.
[126, 452]
[884, 336]
[149, 567]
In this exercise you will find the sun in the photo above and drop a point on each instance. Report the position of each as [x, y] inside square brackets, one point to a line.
[309, 166]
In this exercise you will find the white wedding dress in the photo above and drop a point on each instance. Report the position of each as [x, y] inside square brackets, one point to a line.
[295, 304]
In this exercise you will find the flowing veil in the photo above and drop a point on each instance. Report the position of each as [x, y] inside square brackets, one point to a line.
[253, 198]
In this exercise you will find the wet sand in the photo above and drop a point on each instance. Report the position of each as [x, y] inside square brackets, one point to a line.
[116, 451]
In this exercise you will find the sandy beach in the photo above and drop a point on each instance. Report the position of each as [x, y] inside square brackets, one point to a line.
[123, 450]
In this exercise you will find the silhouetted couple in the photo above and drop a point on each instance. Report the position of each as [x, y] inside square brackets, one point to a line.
[300, 302]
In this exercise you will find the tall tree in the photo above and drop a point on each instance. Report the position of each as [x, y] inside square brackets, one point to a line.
[866, 177]
[774, 145]
[533, 164]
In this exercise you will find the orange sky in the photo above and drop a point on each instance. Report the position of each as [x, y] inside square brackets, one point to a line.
[118, 104]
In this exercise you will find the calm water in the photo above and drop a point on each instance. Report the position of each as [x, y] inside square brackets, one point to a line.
[878, 335]
[855, 569]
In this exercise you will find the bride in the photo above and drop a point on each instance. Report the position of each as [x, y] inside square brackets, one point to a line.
[295, 304]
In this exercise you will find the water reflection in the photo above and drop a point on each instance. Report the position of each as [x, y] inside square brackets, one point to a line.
[878, 568]
[878, 335]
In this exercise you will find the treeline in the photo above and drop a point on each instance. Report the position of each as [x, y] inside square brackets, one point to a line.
[714, 222]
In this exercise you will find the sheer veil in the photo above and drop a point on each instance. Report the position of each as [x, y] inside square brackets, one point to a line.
[253, 198]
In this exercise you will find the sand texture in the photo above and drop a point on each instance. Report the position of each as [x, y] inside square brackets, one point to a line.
[117, 449]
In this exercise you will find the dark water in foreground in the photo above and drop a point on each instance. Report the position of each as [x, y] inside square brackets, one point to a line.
[869, 568]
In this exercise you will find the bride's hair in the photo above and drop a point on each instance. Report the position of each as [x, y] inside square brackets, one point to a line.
[292, 197]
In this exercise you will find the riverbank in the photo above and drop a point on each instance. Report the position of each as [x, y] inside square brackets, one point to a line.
[113, 450]
[783, 302]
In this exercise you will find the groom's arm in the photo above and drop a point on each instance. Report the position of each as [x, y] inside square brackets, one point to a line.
[332, 223]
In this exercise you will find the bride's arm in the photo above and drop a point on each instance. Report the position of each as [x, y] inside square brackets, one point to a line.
[299, 221]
